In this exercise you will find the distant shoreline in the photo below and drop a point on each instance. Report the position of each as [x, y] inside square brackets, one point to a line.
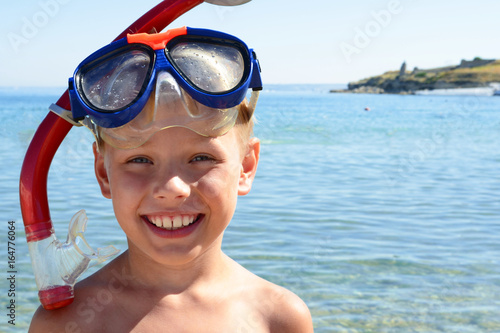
[476, 91]
[476, 73]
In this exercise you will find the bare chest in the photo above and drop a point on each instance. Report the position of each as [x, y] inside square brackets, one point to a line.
[219, 318]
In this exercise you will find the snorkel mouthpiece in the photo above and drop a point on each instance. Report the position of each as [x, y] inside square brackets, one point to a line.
[58, 265]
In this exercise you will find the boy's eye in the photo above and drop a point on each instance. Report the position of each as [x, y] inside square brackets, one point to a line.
[201, 158]
[140, 160]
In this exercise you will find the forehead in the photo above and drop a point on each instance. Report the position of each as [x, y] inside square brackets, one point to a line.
[180, 138]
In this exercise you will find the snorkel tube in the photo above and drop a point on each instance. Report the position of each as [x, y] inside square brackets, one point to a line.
[57, 265]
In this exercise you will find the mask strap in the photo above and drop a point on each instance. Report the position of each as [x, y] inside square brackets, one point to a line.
[252, 103]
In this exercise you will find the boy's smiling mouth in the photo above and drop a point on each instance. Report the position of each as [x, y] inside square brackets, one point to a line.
[173, 222]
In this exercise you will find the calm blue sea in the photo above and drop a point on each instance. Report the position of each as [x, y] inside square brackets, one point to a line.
[385, 220]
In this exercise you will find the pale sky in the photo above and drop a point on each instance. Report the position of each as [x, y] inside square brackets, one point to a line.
[315, 41]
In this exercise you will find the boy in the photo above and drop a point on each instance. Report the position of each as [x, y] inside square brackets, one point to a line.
[173, 172]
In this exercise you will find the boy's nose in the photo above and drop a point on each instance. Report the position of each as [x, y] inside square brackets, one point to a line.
[171, 188]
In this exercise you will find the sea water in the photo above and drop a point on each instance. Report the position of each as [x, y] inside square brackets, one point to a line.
[381, 212]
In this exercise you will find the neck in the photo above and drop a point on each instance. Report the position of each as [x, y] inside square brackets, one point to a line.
[209, 267]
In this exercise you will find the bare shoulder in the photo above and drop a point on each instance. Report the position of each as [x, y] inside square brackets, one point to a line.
[290, 313]
[54, 321]
[283, 310]
[78, 317]
[92, 298]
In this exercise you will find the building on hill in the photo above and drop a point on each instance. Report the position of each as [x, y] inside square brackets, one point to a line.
[402, 70]
[476, 62]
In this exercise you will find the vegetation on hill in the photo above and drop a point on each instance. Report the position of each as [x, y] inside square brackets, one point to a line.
[439, 78]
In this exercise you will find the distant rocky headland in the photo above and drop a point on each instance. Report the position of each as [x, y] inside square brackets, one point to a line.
[468, 74]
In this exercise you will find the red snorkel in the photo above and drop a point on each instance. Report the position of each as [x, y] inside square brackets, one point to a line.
[57, 265]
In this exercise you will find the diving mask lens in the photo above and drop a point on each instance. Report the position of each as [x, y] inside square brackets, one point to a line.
[114, 83]
[210, 67]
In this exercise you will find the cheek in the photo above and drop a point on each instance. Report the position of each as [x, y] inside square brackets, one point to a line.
[219, 185]
[125, 188]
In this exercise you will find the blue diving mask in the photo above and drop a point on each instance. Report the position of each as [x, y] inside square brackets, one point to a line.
[136, 86]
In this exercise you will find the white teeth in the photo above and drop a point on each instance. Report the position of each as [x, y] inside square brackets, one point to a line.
[157, 221]
[167, 222]
[172, 222]
[177, 222]
[186, 220]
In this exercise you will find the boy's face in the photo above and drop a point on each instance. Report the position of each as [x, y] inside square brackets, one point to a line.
[175, 195]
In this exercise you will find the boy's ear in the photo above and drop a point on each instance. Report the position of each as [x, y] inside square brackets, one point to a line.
[101, 172]
[249, 167]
